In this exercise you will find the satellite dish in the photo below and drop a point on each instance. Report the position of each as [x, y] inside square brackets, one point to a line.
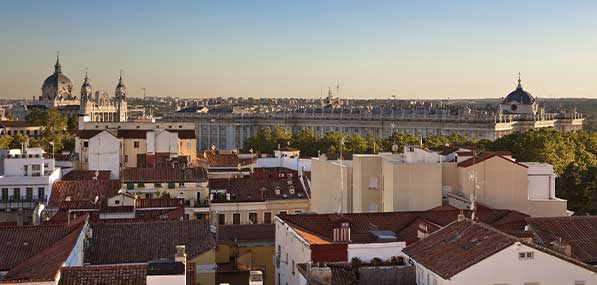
[394, 148]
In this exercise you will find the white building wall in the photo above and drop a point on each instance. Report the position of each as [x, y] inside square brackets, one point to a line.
[290, 247]
[368, 251]
[104, 153]
[541, 181]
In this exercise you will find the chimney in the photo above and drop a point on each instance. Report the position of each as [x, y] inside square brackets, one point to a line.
[321, 275]
[181, 255]
[342, 232]
[562, 247]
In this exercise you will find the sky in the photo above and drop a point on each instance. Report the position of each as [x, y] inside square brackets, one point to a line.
[371, 49]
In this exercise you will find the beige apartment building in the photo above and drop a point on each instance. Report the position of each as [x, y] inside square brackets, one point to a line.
[420, 179]
[135, 144]
[382, 182]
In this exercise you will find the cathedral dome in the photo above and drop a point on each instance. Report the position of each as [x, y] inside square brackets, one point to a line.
[57, 83]
[519, 96]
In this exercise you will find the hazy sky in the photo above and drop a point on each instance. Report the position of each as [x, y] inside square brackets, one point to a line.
[373, 49]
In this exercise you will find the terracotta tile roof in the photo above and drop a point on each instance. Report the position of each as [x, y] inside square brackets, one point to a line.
[36, 253]
[485, 156]
[83, 190]
[217, 159]
[258, 188]
[24, 242]
[468, 243]
[247, 233]
[16, 124]
[164, 175]
[464, 241]
[86, 175]
[87, 134]
[132, 134]
[142, 242]
[103, 275]
[403, 224]
[45, 264]
[185, 134]
[580, 232]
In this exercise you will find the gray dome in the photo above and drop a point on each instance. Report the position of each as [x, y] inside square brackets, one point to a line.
[520, 96]
[57, 80]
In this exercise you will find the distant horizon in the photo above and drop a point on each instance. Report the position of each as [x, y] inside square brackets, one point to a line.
[418, 50]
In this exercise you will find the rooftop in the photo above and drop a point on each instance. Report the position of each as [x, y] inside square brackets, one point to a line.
[136, 242]
[580, 232]
[86, 175]
[116, 275]
[83, 190]
[36, 253]
[404, 225]
[258, 233]
[164, 175]
[467, 242]
[262, 185]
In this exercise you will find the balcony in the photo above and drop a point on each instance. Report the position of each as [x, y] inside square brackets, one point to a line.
[13, 203]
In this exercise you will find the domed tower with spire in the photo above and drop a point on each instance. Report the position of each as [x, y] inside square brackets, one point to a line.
[57, 89]
[120, 96]
[86, 94]
[519, 101]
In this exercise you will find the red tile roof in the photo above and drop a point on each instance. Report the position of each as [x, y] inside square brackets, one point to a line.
[485, 156]
[258, 188]
[580, 232]
[86, 175]
[457, 247]
[164, 175]
[17, 124]
[247, 233]
[100, 275]
[142, 242]
[22, 243]
[87, 134]
[217, 159]
[83, 190]
[46, 264]
[462, 244]
[35, 253]
[403, 224]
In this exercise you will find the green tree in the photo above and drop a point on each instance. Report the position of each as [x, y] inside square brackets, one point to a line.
[5, 141]
[307, 142]
[332, 143]
[400, 140]
[357, 144]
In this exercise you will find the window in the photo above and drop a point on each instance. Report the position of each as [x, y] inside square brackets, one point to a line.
[29, 193]
[372, 183]
[298, 211]
[181, 184]
[221, 219]
[85, 144]
[253, 218]
[136, 144]
[130, 186]
[157, 185]
[171, 185]
[525, 255]
[16, 194]
[293, 267]
[236, 218]
[116, 202]
[141, 185]
[126, 158]
[267, 217]
[25, 170]
[4, 194]
[282, 212]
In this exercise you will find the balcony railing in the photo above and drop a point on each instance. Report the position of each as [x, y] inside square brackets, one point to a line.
[25, 202]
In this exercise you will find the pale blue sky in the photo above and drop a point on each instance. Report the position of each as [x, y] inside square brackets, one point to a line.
[373, 49]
